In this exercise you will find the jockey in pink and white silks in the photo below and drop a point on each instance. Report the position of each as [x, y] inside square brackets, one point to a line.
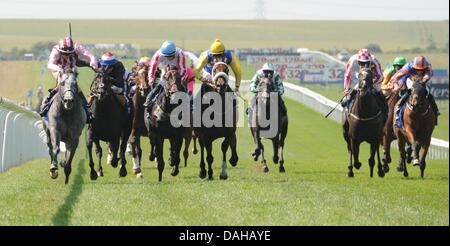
[363, 59]
[68, 54]
[167, 55]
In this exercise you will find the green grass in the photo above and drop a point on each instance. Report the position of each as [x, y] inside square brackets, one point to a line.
[314, 190]
[198, 34]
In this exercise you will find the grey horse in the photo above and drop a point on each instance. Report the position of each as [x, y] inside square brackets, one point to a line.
[66, 120]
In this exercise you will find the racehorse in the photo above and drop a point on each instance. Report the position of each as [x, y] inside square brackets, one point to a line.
[159, 125]
[363, 122]
[66, 119]
[207, 134]
[112, 124]
[138, 127]
[263, 101]
[418, 126]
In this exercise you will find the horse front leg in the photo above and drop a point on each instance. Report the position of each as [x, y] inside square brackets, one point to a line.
[350, 173]
[402, 162]
[194, 150]
[257, 152]
[89, 144]
[276, 145]
[54, 151]
[136, 151]
[176, 149]
[224, 147]
[386, 152]
[187, 142]
[159, 156]
[355, 148]
[209, 159]
[202, 173]
[122, 151]
[423, 155]
[70, 153]
[381, 172]
[234, 156]
[99, 152]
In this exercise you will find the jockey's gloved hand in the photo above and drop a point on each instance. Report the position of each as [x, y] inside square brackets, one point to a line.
[93, 65]
[347, 91]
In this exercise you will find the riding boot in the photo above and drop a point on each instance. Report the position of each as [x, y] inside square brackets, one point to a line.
[47, 103]
[282, 106]
[151, 98]
[348, 98]
[399, 105]
[434, 106]
[383, 104]
[87, 109]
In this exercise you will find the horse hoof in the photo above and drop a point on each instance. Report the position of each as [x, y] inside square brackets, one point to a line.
[100, 173]
[275, 159]
[152, 157]
[139, 176]
[409, 159]
[350, 175]
[400, 168]
[386, 168]
[194, 151]
[265, 168]
[405, 174]
[381, 174]
[210, 177]
[202, 174]
[223, 177]
[282, 169]
[416, 162]
[54, 173]
[357, 165]
[115, 163]
[66, 181]
[93, 175]
[123, 172]
[62, 163]
[233, 161]
[174, 172]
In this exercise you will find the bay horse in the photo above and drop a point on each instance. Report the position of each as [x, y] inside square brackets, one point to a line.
[418, 125]
[159, 125]
[263, 101]
[111, 124]
[138, 127]
[206, 134]
[363, 122]
[66, 119]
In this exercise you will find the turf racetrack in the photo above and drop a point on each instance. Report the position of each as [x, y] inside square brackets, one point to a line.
[314, 190]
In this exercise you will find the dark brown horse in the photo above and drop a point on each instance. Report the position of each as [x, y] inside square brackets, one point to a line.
[225, 117]
[112, 124]
[264, 100]
[364, 122]
[159, 125]
[418, 126]
[138, 128]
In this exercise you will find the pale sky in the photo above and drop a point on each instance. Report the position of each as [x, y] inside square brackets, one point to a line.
[227, 9]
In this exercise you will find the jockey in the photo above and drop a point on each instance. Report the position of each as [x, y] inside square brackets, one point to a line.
[421, 68]
[363, 59]
[216, 53]
[389, 72]
[267, 71]
[167, 55]
[68, 54]
[121, 76]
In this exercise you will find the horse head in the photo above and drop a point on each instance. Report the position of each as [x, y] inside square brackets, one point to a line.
[173, 85]
[265, 88]
[219, 75]
[365, 80]
[418, 99]
[102, 85]
[67, 86]
[141, 80]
